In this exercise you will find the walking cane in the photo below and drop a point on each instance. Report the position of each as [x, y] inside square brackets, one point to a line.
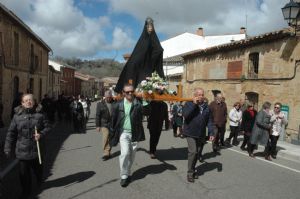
[38, 146]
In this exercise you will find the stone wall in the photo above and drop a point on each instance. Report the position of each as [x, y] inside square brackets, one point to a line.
[24, 57]
[277, 59]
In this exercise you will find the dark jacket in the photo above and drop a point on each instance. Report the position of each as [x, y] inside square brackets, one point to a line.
[77, 110]
[21, 132]
[195, 122]
[261, 128]
[103, 116]
[177, 115]
[136, 118]
[158, 114]
[248, 121]
[219, 113]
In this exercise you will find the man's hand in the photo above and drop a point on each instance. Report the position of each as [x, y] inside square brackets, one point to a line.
[98, 129]
[37, 136]
[211, 138]
[196, 100]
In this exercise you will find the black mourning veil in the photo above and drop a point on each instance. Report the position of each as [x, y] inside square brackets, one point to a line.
[147, 57]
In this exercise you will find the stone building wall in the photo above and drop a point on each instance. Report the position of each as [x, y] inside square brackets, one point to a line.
[24, 57]
[277, 59]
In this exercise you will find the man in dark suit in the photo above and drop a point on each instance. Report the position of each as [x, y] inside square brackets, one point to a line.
[158, 114]
[197, 117]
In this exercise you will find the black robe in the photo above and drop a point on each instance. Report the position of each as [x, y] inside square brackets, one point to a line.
[146, 58]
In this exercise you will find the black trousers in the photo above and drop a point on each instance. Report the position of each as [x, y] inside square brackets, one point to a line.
[234, 132]
[246, 140]
[25, 167]
[154, 139]
[175, 127]
[219, 135]
[272, 144]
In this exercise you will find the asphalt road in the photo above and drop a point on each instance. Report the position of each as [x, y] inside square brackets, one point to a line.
[75, 170]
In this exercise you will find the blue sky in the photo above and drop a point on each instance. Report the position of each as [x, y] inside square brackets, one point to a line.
[93, 29]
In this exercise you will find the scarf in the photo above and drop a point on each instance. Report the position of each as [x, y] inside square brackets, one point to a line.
[251, 112]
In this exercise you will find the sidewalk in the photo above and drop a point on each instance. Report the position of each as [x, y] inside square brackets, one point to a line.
[285, 150]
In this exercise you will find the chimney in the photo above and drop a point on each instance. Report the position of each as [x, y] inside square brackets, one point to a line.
[242, 30]
[200, 32]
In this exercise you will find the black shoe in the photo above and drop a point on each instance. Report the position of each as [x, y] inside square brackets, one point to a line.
[243, 148]
[201, 159]
[273, 156]
[235, 143]
[195, 175]
[124, 182]
[215, 147]
[227, 141]
[105, 157]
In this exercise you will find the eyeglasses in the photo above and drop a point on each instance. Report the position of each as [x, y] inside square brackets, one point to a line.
[278, 107]
[128, 92]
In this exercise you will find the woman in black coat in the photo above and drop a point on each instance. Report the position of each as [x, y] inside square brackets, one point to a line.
[248, 120]
[22, 138]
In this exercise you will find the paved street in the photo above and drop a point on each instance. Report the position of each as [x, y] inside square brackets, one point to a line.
[75, 170]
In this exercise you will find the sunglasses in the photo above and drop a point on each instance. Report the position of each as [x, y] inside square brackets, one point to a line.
[277, 107]
[128, 92]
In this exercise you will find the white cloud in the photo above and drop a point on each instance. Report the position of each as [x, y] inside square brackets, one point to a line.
[65, 28]
[215, 16]
[70, 33]
[120, 39]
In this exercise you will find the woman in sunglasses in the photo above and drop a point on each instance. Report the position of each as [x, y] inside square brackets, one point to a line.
[279, 121]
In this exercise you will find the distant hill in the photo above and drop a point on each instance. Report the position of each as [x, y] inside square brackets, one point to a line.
[98, 67]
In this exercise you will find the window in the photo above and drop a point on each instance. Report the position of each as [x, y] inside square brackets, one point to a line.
[1, 49]
[252, 97]
[31, 57]
[41, 61]
[36, 62]
[31, 86]
[40, 89]
[16, 48]
[16, 87]
[253, 65]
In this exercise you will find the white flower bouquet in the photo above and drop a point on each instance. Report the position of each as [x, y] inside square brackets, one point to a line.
[154, 84]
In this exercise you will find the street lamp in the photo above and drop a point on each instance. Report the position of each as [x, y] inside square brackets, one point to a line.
[291, 13]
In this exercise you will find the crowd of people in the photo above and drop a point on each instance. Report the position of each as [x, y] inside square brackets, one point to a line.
[197, 121]
[121, 121]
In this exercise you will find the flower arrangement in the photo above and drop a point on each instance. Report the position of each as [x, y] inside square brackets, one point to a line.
[154, 84]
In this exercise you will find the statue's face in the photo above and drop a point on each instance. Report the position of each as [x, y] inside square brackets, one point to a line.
[149, 28]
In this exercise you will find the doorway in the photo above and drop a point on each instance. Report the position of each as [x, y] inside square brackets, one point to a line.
[252, 97]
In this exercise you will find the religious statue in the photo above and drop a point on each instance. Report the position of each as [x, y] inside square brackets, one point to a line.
[146, 58]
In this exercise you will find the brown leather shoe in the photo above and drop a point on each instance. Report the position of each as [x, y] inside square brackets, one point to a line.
[267, 157]
[190, 178]
[152, 156]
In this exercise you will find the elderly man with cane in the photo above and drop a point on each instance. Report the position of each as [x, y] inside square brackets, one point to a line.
[25, 134]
